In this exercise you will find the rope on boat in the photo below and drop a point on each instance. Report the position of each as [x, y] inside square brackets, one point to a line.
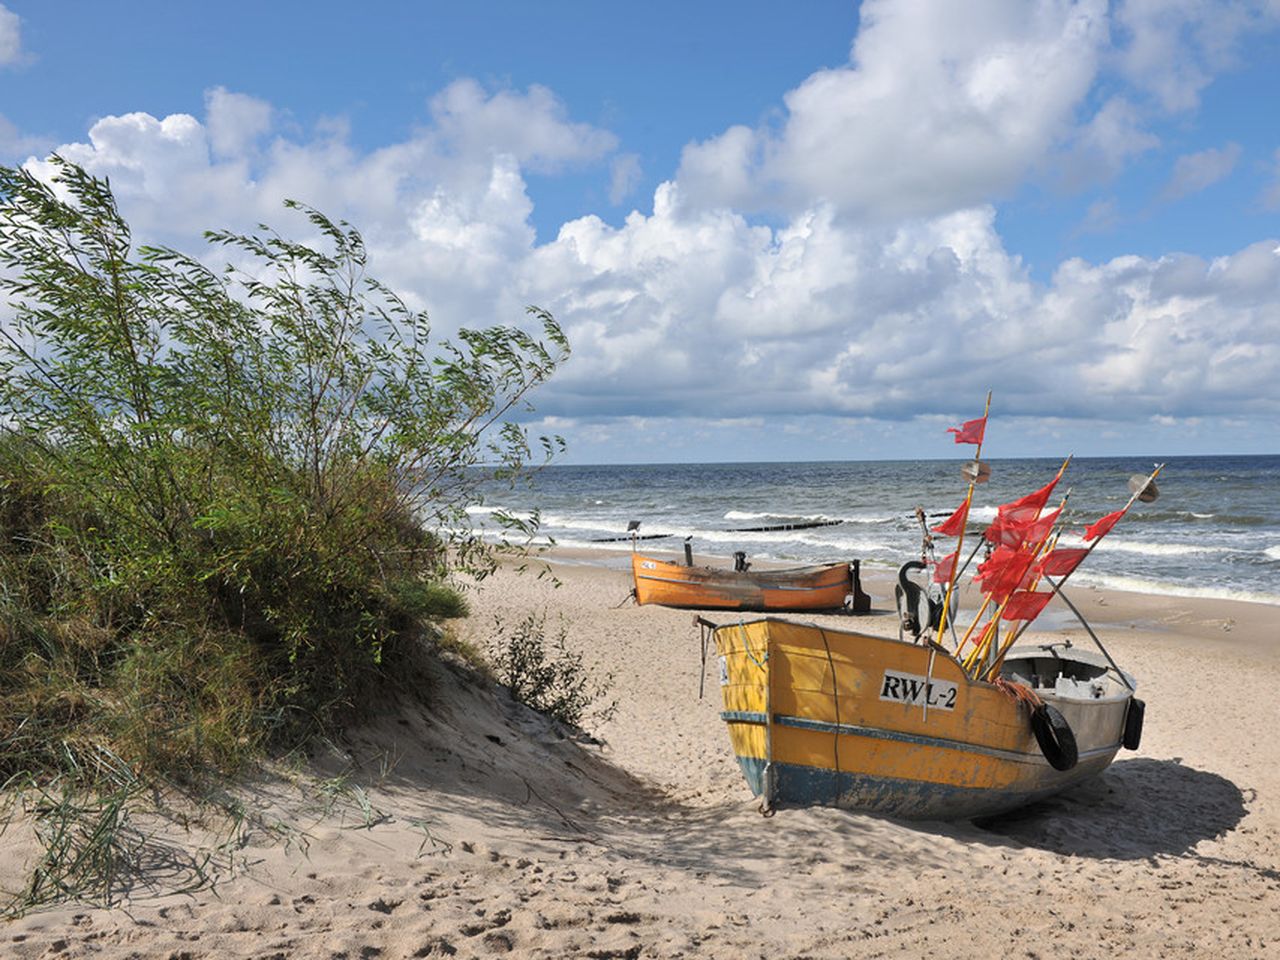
[835, 701]
[1018, 691]
[746, 647]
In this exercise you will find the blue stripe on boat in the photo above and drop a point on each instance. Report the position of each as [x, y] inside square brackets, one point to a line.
[875, 733]
[808, 786]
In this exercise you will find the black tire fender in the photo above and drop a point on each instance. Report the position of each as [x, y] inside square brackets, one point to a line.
[1053, 733]
[1133, 724]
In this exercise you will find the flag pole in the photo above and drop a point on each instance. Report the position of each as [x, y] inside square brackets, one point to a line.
[968, 500]
[1004, 649]
[974, 660]
[984, 638]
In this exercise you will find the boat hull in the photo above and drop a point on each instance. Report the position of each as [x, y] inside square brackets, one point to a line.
[825, 587]
[851, 720]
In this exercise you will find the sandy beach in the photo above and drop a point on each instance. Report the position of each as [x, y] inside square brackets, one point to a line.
[474, 828]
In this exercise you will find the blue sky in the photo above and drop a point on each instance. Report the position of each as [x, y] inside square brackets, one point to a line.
[819, 232]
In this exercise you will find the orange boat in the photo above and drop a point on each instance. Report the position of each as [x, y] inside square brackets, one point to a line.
[826, 587]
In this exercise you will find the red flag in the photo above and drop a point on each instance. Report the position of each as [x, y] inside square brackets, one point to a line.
[1101, 527]
[970, 431]
[1028, 507]
[944, 568]
[1061, 562]
[952, 526]
[1004, 534]
[1038, 530]
[1009, 532]
[1004, 571]
[1025, 605]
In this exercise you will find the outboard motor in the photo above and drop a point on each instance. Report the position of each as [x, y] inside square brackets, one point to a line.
[917, 611]
[907, 596]
[740, 564]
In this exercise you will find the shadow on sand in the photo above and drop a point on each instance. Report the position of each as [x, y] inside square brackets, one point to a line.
[1137, 809]
[478, 753]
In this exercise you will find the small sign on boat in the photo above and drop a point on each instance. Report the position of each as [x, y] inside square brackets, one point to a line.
[917, 690]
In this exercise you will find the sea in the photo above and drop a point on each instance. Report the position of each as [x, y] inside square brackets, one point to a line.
[1214, 530]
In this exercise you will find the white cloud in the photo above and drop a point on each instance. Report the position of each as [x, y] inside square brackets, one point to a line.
[235, 121]
[943, 106]
[624, 176]
[1194, 172]
[693, 311]
[1171, 49]
[1102, 148]
[11, 52]
[823, 317]
[532, 127]
[723, 171]
[445, 212]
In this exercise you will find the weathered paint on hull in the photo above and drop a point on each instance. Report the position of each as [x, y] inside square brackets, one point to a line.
[909, 799]
[796, 785]
[821, 705]
[710, 588]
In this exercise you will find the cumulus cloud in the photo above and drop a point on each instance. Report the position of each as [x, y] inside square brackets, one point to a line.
[697, 311]
[1194, 172]
[944, 106]
[445, 212]
[941, 107]
[10, 38]
[819, 317]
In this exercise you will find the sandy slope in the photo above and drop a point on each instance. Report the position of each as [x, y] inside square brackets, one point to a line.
[487, 833]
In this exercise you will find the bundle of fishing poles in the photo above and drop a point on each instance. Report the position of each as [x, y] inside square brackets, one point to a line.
[1022, 552]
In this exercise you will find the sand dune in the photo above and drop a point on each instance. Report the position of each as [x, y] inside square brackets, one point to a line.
[476, 829]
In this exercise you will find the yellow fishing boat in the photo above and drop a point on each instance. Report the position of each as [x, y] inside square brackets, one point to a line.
[823, 716]
[916, 728]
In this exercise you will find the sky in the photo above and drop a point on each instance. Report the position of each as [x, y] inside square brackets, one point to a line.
[813, 231]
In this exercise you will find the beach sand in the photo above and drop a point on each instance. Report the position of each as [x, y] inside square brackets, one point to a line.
[475, 829]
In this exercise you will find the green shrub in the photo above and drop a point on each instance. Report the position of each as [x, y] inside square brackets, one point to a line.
[549, 677]
[230, 499]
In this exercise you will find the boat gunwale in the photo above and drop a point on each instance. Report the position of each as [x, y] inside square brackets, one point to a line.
[782, 572]
[940, 649]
